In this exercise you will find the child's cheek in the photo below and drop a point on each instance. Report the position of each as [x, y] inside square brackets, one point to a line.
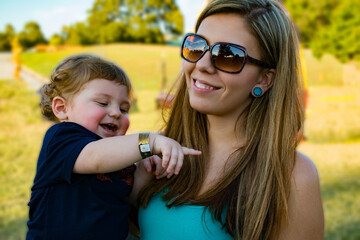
[124, 125]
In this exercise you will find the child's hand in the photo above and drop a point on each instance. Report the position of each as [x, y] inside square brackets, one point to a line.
[172, 154]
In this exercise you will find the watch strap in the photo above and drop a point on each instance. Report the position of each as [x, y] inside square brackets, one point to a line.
[144, 145]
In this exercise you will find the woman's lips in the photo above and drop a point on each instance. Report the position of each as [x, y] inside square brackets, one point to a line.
[204, 87]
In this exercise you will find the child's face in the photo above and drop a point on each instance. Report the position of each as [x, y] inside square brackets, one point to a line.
[102, 106]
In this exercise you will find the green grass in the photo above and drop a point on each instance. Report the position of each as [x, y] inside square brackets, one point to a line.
[327, 71]
[333, 114]
[21, 130]
[332, 131]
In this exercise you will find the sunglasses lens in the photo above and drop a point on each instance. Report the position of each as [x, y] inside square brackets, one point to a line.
[192, 48]
[227, 57]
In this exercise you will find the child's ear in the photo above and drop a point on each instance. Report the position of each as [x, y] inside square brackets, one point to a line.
[59, 108]
[267, 80]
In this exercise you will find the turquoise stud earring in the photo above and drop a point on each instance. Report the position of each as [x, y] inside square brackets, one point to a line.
[257, 92]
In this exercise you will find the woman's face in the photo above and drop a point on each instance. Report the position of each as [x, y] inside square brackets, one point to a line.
[214, 92]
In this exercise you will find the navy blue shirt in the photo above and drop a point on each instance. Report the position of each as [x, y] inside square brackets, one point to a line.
[65, 205]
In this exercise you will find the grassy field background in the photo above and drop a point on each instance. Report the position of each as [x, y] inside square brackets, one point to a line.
[332, 130]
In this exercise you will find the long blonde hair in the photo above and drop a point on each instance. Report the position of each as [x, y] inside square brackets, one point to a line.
[254, 192]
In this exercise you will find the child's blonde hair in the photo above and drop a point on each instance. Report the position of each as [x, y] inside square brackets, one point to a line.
[73, 73]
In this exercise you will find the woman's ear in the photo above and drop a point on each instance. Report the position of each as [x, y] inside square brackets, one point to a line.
[59, 108]
[264, 83]
[267, 79]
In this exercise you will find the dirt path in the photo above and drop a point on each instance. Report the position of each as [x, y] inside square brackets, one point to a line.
[6, 66]
[33, 79]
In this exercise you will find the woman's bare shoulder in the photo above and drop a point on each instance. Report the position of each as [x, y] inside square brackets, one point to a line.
[305, 171]
[306, 216]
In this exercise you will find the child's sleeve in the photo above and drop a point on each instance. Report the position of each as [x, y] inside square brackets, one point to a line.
[64, 146]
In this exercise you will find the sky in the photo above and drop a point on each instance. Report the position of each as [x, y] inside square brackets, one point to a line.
[51, 15]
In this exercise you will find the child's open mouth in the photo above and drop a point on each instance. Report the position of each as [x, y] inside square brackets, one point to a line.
[109, 127]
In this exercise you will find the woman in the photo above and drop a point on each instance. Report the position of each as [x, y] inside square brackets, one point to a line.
[238, 101]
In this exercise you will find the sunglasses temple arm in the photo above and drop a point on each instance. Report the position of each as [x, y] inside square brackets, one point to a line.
[258, 62]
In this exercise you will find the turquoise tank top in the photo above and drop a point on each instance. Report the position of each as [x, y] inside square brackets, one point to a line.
[157, 222]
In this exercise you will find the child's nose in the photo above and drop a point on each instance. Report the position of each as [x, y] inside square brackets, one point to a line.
[115, 112]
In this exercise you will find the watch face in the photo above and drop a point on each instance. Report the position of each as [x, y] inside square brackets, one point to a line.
[145, 148]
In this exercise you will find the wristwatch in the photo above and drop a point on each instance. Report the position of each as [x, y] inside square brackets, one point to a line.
[144, 145]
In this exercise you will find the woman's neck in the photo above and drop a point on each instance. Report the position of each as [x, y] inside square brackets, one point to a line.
[224, 135]
[224, 139]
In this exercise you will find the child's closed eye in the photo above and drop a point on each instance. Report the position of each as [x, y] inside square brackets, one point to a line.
[124, 110]
[103, 104]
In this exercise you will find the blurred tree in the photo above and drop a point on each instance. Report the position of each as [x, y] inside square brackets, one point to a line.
[102, 14]
[3, 42]
[56, 40]
[328, 26]
[134, 20]
[111, 32]
[10, 32]
[77, 34]
[31, 35]
[6, 38]
[70, 36]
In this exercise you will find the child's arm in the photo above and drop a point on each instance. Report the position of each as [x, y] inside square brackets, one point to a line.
[115, 153]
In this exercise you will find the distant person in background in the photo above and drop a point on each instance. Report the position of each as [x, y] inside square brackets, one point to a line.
[239, 101]
[85, 170]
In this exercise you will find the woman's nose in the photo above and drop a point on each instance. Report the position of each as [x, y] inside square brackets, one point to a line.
[205, 64]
